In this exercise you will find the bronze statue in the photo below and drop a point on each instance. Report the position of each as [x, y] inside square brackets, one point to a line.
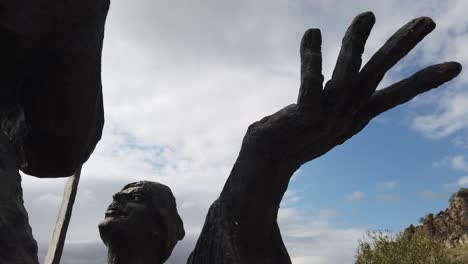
[241, 226]
[51, 107]
[141, 225]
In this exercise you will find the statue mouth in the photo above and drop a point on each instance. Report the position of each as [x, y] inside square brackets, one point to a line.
[114, 213]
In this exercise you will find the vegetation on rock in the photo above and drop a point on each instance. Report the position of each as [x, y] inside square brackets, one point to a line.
[383, 248]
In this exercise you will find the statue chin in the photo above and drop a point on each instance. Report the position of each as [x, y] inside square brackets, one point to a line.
[109, 222]
[111, 230]
[116, 231]
[105, 230]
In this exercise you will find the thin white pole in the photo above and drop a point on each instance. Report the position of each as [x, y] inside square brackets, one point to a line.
[61, 226]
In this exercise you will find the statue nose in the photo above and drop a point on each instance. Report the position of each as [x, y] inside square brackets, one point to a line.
[119, 198]
[113, 206]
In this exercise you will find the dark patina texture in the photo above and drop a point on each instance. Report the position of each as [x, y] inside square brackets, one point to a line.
[50, 77]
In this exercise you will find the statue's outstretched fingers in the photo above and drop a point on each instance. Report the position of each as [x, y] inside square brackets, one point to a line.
[311, 68]
[350, 58]
[404, 40]
[405, 90]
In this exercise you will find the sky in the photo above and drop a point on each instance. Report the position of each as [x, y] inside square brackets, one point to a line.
[183, 79]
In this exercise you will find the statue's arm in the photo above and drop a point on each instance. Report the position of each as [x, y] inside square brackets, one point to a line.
[322, 118]
[274, 147]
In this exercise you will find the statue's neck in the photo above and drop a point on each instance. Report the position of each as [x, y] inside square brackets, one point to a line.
[118, 254]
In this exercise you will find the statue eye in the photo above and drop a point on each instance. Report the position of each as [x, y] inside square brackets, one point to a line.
[136, 198]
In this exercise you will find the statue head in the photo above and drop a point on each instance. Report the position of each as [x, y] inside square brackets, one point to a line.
[143, 214]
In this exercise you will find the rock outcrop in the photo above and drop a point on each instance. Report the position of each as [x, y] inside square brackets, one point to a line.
[50, 74]
[451, 225]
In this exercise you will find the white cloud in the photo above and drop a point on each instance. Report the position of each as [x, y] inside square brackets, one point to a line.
[388, 198]
[328, 213]
[461, 141]
[459, 163]
[450, 116]
[441, 163]
[463, 181]
[356, 196]
[291, 197]
[387, 185]
[446, 112]
[315, 242]
[49, 199]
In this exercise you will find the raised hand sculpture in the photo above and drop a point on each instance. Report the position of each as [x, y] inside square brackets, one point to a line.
[241, 224]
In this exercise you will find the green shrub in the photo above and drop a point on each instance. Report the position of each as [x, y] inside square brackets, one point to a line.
[383, 248]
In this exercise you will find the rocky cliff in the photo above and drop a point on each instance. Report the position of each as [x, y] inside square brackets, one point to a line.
[451, 225]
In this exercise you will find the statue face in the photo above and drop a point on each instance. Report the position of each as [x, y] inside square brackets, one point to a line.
[130, 218]
[144, 214]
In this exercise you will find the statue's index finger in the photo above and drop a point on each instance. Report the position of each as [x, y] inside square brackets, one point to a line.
[311, 66]
[311, 53]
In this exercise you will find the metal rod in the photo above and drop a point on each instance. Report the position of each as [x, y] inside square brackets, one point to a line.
[61, 226]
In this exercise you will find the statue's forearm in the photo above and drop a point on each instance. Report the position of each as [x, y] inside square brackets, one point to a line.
[257, 182]
[266, 162]
[242, 222]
